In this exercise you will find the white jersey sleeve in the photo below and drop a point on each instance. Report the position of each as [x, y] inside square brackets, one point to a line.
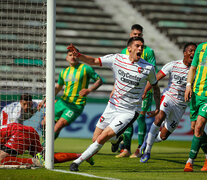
[167, 68]
[108, 60]
[152, 76]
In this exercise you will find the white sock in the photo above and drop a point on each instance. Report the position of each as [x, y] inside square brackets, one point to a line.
[90, 151]
[190, 160]
[158, 138]
[151, 137]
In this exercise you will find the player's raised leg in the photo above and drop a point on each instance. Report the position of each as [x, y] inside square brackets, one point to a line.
[93, 148]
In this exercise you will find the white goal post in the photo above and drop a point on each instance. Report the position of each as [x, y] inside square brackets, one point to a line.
[50, 83]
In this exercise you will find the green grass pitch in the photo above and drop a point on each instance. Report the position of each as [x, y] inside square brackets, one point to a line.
[167, 162]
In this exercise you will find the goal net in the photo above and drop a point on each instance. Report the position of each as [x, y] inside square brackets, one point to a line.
[22, 76]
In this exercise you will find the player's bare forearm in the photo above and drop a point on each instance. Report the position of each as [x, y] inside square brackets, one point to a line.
[191, 75]
[89, 59]
[96, 85]
[157, 96]
[157, 101]
[159, 76]
[147, 88]
[112, 92]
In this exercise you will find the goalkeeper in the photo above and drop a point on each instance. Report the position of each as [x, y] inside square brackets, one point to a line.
[16, 138]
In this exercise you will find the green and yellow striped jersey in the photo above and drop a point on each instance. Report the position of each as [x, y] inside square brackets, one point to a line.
[75, 79]
[147, 54]
[200, 61]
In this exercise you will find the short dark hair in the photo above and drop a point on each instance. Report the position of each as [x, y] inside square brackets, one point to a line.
[26, 97]
[132, 39]
[137, 27]
[189, 44]
[69, 50]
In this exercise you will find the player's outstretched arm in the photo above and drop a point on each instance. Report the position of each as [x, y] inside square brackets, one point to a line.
[157, 101]
[159, 76]
[191, 75]
[87, 59]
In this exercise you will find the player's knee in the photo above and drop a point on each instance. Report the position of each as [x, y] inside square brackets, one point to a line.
[163, 137]
[158, 121]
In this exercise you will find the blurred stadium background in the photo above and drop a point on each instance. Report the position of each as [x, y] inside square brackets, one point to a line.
[97, 28]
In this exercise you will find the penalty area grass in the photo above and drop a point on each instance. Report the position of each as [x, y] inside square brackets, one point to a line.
[167, 162]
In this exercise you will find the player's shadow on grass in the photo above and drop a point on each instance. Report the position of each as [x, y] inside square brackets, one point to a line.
[177, 162]
[107, 154]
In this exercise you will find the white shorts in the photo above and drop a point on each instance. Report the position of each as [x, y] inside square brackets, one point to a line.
[173, 111]
[116, 119]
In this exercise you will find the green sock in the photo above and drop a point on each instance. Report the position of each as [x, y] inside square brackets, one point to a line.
[195, 146]
[141, 129]
[128, 133]
[56, 134]
[204, 143]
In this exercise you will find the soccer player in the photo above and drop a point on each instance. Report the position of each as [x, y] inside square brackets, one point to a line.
[198, 104]
[149, 56]
[19, 111]
[131, 74]
[173, 104]
[76, 80]
[15, 139]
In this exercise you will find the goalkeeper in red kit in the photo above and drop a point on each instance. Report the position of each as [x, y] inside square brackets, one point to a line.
[16, 138]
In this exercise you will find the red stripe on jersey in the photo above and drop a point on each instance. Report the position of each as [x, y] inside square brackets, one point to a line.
[162, 98]
[120, 88]
[115, 98]
[162, 72]
[5, 118]
[121, 56]
[123, 67]
[100, 63]
[175, 84]
[172, 96]
[180, 72]
[176, 89]
[101, 118]
[118, 92]
[122, 83]
[113, 104]
[124, 62]
[179, 67]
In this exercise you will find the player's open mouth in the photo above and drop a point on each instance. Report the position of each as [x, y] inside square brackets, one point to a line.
[138, 54]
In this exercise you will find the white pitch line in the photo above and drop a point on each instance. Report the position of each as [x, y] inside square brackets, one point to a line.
[83, 174]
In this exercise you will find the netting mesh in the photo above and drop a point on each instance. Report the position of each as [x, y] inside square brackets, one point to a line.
[22, 71]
